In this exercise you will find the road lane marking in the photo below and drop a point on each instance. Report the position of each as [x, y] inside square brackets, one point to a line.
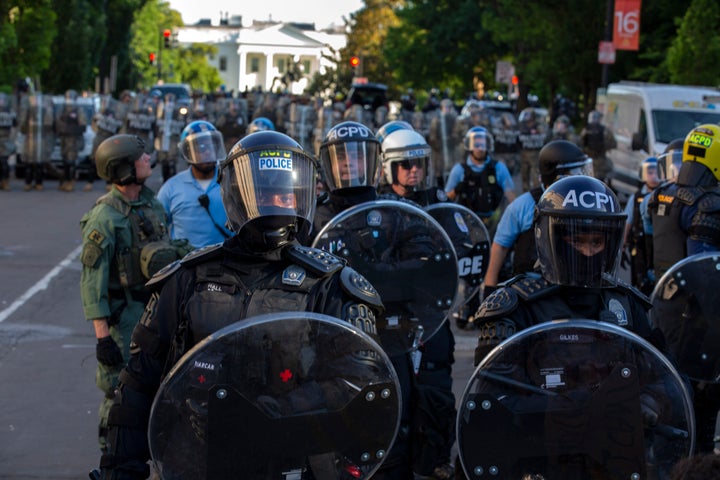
[40, 285]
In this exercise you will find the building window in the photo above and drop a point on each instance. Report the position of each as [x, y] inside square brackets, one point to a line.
[254, 65]
[223, 64]
[281, 65]
[306, 67]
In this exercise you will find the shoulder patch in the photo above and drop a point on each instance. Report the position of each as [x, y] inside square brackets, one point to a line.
[531, 287]
[502, 301]
[441, 195]
[90, 255]
[96, 237]
[317, 261]
[628, 289]
[358, 287]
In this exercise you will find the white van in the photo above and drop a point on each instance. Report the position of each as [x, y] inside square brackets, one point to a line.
[645, 117]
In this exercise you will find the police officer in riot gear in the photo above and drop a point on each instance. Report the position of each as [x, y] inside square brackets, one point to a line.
[350, 166]
[596, 140]
[639, 245]
[481, 182]
[70, 124]
[579, 229]
[115, 233]
[557, 159]
[685, 218]
[8, 124]
[405, 161]
[268, 189]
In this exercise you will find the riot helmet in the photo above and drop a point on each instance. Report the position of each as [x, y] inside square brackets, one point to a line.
[116, 156]
[579, 228]
[389, 128]
[407, 150]
[670, 160]
[268, 189]
[561, 125]
[701, 156]
[479, 139]
[594, 117]
[260, 124]
[560, 158]
[349, 157]
[649, 172]
[201, 143]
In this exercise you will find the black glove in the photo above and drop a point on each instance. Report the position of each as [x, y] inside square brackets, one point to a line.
[107, 352]
[650, 410]
[488, 290]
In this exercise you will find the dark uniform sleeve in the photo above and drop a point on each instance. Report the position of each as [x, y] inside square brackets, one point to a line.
[128, 450]
[499, 316]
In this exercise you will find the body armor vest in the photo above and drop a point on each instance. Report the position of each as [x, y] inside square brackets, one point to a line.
[146, 227]
[668, 239]
[483, 194]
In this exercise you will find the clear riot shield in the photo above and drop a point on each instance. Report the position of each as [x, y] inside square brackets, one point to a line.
[280, 396]
[687, 311]
[109, 118]
[409, 259]
[37, 124]
[471, 241]
[562, 400]
[300, 124]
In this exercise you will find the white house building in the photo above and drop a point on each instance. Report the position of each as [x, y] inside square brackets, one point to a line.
[255, 56]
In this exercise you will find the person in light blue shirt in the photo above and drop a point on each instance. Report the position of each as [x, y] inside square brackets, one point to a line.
[192, 198]
[557, 159]
[481, 182]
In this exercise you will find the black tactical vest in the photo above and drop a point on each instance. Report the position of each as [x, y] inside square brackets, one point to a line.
[482, 193]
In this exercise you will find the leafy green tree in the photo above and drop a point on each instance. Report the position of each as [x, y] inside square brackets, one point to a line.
[27, 31]
[694, 56]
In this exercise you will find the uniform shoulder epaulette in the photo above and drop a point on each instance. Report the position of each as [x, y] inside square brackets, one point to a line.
[192, 258]
[358, 287]
[531, 286]
[317, 261]
[502, 301]
[628, 289]
[202, 254]
[688, 195]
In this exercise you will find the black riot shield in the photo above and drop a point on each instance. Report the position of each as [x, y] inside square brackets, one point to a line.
[687, 311]
[409, 259]
[470, 238]
[566, 400]
[279, 396]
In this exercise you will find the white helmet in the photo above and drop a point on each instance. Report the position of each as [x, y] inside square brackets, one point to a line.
[406, 146]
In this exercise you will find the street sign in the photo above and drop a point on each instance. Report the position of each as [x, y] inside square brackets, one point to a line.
[606, 52]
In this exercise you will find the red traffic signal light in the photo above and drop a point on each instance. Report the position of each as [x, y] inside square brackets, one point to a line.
[514, 80]
[151, 57]
[354, 61]
[166, 36]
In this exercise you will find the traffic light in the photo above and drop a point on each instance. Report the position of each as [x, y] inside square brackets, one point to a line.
[166, 37]
[151, 57]
[354, 61]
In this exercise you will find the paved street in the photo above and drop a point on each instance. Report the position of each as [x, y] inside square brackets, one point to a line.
[48, 398]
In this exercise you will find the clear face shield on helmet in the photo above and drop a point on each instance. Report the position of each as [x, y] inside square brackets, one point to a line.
[350, 164]
[579, 250]
[273, 183]
[204, 147]
[649, 173]
[409, 167]
[668, 165]
[583, 166]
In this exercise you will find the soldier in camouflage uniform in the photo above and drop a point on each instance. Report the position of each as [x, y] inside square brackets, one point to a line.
[121, 228]
[232, 120]
[8, 122]
[70, 123]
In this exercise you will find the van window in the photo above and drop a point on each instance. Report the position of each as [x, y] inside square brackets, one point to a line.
[672, 124]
